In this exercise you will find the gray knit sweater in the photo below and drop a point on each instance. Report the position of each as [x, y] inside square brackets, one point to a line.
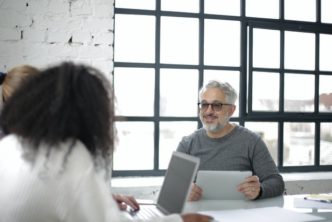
[240, 150]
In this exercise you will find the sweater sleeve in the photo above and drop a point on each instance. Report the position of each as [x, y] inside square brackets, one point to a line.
[272, 186]
[272, 183]
[183, 146]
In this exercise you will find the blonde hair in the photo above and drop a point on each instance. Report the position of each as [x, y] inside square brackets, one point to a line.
[14, 79]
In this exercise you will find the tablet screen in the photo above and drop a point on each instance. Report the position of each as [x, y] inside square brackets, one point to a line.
[221, 185]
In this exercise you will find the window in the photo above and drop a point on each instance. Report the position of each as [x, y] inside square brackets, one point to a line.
[276, 53]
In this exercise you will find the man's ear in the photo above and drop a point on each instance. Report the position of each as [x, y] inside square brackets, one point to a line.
[231, 110]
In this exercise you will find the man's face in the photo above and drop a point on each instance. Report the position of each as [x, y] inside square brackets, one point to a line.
[216, 115]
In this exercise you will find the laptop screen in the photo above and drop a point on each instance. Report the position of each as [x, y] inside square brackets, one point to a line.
[177, 183]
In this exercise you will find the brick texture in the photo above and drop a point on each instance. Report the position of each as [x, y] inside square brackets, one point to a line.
[45, 32]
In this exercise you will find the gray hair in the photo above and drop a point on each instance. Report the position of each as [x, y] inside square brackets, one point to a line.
[225, 87]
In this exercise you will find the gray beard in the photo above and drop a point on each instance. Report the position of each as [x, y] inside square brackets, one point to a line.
[214, 128]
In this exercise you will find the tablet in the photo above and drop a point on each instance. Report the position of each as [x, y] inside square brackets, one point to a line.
[221, 185]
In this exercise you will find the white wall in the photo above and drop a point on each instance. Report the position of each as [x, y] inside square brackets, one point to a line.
[43, 32]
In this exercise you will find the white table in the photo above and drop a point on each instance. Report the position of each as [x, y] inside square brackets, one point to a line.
[286, 202]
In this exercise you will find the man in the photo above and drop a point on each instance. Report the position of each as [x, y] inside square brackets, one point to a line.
[221, 145]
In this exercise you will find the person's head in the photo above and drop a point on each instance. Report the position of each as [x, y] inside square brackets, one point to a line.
[67, 101]
[14, 78]
[217, 105]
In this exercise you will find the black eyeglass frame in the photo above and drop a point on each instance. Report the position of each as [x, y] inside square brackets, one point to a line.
[214, 106]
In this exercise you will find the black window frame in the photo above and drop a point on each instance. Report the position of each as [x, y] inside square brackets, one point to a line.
[246, 114]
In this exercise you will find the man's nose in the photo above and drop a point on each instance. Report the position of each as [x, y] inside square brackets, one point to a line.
[209, 109]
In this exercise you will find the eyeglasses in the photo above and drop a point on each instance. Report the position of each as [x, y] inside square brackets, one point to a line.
[215, 106]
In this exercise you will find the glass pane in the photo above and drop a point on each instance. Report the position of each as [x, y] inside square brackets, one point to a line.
[171, 134]
[232, 77]
[222, 7]
[133, 140]
[299, 144]
[325, 93]
[326, 143]
[326, 15]
[131, 98]
[174, 100]
[299, 50]
[137, 4]
[222, 43]
[266, 48]
[262, 8]
[299, 99]
[300, 10]
[325, 52]
[269, 133]
[265, 91]
[130, 43]
[181, 6]
[179, 40]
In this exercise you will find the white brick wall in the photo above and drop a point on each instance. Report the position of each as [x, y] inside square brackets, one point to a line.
[44, 32]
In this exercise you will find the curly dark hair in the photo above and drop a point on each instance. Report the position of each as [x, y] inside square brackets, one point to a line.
[66, 101]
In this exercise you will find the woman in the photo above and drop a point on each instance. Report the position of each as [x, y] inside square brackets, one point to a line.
[55, 159]
[14, 78]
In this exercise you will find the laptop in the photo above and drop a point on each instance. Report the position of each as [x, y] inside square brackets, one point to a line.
[221, 185]
[175, 189]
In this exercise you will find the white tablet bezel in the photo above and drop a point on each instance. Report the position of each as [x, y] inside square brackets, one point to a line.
[221, 185]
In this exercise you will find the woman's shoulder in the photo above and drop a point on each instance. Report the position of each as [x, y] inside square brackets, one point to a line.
[71, 153]
[10, 138]
[10, 150]
[10, 142]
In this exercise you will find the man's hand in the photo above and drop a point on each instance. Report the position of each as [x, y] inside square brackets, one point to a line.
[251, 187]
[195, 193]
[125, 201]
